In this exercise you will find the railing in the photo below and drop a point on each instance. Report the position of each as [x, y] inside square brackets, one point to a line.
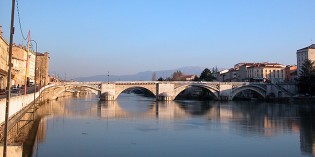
[163, 82]
[75, 83]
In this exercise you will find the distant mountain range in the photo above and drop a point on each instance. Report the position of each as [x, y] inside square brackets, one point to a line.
[143, 76]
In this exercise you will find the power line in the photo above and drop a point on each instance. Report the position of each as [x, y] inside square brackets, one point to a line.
[18, 11]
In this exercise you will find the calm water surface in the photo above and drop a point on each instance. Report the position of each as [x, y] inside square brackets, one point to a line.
[139, 126]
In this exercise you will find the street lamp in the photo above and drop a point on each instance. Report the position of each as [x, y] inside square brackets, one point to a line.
[35, 73]
[108, 77]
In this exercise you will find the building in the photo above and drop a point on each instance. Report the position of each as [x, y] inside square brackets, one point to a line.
[19, 59]
[222, 75]
[42, 63]
[188, 77]
[304, 54]
[272, 72]
[228, 75]
[4, 48]
[31, 66]
[242, 70]
[290, 73]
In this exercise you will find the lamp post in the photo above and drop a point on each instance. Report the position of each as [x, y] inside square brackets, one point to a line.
[108, 77]
[40, 78]
[35, 74]
[8, 82]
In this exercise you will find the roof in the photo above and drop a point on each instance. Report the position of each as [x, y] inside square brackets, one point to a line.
[266, 64]
[3, 39]
[187, 76]
[309, 47]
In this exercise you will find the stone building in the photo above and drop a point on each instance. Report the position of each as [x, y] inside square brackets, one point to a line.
[42, 63]
[304, 54]
[19, 58]
[4, 49]
[290, 73]
[242, 70]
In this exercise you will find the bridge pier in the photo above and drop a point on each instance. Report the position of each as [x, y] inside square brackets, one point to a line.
[164, 98]
[107, 92]
[107, 98]
[165, 92]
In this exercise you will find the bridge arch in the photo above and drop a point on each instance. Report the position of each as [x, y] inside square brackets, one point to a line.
[62, 89]
[120, 89]
[259, 90]
[214, 92]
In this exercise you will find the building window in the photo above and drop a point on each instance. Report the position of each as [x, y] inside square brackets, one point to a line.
[274, 73]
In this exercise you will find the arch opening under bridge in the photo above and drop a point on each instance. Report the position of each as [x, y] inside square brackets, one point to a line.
[258, 92]
[214, 93]
[137, 90]
[61, 89]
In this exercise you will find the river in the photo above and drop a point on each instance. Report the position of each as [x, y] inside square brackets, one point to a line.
[139, 126]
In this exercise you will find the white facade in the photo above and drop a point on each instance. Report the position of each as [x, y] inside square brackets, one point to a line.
[304, 54]
[31, 70]
[222, 75]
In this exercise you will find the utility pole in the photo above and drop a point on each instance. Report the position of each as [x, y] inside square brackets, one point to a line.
[8, 83]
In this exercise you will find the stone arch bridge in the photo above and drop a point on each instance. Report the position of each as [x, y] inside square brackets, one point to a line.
[168, 90]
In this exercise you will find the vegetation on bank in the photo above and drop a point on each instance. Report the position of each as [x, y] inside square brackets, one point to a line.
[306, 81]
[206, 75]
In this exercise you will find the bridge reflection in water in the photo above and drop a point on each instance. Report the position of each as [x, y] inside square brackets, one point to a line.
[243, 118]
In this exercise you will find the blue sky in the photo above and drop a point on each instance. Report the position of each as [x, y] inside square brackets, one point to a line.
[87, 38]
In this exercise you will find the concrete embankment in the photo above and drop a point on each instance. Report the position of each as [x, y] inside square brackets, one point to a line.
[18, 103]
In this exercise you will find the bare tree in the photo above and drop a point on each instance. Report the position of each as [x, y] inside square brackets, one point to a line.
[153, 76]
[177, 75]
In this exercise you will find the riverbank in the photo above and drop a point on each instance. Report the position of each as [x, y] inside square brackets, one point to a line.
[308, 100]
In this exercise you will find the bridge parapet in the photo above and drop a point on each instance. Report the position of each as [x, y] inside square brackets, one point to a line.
[135, 83]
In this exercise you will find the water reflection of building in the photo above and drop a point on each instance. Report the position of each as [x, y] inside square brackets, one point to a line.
[168, 111]
[162, 110]
[255, 118]
[307, 134]
[246, 118]
[223, 112]
[40, 135]
[110, 109]
[41, 131]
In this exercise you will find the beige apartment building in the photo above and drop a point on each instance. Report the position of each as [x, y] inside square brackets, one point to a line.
[304, 54]
[19, 58]
[4, 48]
[273, 72]
[21, 72]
